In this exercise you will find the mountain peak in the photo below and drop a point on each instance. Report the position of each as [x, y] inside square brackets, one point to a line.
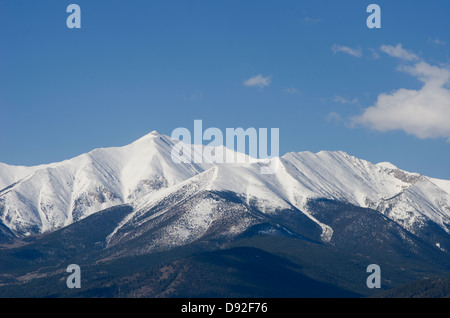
[151, 135]
[387, 165]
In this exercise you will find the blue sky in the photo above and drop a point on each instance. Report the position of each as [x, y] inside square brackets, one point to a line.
[137, 66]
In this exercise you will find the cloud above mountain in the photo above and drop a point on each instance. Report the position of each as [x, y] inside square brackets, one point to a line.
[258, 81]
[399, 52]
[356, 52]
[423, 113]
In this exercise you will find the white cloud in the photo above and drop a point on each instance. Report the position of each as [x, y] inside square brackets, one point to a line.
[344, 100]
[345, 49]
[334, 118]
[291, 90]
[194, 96]
[399, 52]
[430, 75]
[424, 113]
[437, 41]
[375, 54]
[312, 20]
[258, 80]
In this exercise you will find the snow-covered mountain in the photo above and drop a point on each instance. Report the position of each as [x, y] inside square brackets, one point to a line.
[41, 199]
[181, 202]
[411, 200]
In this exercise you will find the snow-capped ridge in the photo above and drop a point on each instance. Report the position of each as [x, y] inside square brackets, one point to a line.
[386, 165]
[54, 195]
[151, 135]
[142, 173]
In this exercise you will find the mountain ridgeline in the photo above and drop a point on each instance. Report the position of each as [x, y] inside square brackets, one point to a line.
[140, 225]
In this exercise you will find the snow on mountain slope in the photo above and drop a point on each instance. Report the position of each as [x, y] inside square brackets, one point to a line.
[143, 174]
[222, 202]
[339, 176]
[11, 174]
[423, 200]
[443, 184]
[56, 195]
[153, 213]
[407, 198]
[386, 165]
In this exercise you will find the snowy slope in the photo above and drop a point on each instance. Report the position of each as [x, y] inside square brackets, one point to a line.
[407, 198]
[143, 174]
[11, 174]
[443, 184]
[56, 195]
